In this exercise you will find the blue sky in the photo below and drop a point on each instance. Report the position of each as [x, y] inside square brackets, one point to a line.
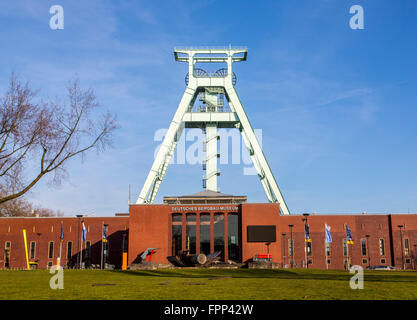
[337, 107]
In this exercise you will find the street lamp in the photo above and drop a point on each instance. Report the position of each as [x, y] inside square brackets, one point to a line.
[305, 239]
[369, 250]
[292, 246]
[284, 245]
[402, 248]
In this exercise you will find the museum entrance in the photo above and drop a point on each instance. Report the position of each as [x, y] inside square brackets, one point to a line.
[207, 233]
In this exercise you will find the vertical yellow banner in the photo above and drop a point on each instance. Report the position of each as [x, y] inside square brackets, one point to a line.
[26, 248]
[124, 261]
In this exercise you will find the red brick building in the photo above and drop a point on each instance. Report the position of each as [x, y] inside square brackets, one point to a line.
[207, 222]
[44, 240]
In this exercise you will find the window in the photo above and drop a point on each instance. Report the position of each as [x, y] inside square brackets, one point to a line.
[219, 233]
[233, 236]
[406, 247]
[329, 261]
[87, 249]
[69, 250]
[345, 248]
[408, 260]
[51, 250]
[364, 261]
[32, 249]
[290, 247]
[308, 248]
[381, 247]
[7, 248]
[363, 247]
[49, 264]
[176, 233]
[383, 261]
[327, 246]
[191, 233]
[205, 233]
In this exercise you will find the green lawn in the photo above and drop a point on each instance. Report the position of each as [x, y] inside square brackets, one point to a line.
[208, 284]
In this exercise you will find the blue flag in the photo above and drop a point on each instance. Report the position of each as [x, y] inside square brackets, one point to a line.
[328, 235]
[104, 237]
[62, 232]
[349, 239]
[307, 233]
[84, 233]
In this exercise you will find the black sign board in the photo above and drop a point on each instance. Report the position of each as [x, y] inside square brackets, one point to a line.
[262, 234]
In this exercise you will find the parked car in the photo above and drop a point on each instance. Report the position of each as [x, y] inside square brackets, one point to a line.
[380, 268]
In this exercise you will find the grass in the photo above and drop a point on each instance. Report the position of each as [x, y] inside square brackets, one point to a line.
[208, 284]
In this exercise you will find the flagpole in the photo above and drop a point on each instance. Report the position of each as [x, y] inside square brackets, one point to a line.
[327, 257]
[348, 258]
[325, 248]
[81, 250]
[102, 226]
[60, 248]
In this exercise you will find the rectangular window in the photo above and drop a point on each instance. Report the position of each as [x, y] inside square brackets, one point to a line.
[32, 249]
[191, 233]
[205, 233]
[408, 260]
[406, 247]
[176, 233]
[381, 247]
[69, 250]
[327, 246]
[51, 250]
[364, 261]
[7, 249]
[233, 236]
[87, 250]
[345, 248]
[290, 247]
[383, 261]
[219, 233]
[363, 247]
[308, 248]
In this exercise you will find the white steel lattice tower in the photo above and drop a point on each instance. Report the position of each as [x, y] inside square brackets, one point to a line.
[211, 89]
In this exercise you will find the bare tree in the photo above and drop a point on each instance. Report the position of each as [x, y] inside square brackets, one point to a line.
[37, 138]
[21, 207]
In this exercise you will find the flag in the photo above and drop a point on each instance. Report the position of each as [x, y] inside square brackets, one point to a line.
[62, 233]
[328, 235]
[307, 233]
[349, 239]
[84, 233]
[104, 237]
